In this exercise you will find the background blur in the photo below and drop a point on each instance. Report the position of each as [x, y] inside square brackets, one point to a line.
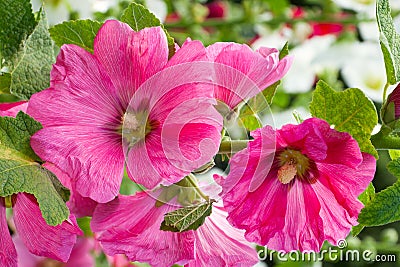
[333, 40]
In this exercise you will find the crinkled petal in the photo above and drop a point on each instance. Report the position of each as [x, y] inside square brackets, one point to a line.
[8, 254]
[215, 231]
[139, 236]
[242, 73]
[130, 57]
[303, 214]
[41, 239]
[348, 183]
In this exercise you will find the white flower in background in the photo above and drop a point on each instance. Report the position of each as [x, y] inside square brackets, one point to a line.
[103, 5]
[158, 8]
[365, 69]
[59, 10]
[361, 6]
[369, 31]
[301, 75]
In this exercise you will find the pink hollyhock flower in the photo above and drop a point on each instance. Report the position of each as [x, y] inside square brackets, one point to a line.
[11, 109]
[167, 130]
[80, 255]
[307, 196]
[41, 239]
[242, 73]
[139, 237]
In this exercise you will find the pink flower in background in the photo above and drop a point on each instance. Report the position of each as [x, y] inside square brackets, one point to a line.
[80, 255]
[217, 9]
[140, 237]
[130, 225]
[170, 127]
[11, 109]
[41, 239]
[241, 73]
[394, 98]
[307, 196]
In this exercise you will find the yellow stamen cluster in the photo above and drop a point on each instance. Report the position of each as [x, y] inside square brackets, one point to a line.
[292, 163]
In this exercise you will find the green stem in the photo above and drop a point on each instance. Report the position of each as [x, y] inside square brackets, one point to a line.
[191, 179]
[8, 202]
[385, 91]
[382, 141]
[232, 146]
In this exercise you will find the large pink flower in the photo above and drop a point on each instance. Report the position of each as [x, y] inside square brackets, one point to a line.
[140, 237]
[241, 73]
[308, 195]
[41, 239]
[127, 88]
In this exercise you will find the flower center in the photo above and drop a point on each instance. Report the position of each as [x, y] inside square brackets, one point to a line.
[292, 163]
[136, 126]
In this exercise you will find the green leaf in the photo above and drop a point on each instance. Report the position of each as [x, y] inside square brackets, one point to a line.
[186, 219]
[139, 17]
[5, 82]
[78, 32]
[394, 154]
[32, 66]
[389, 40]
[384, 208]
[349, 111]
[17, 22]
[365, 198]
[21, 171]
[284, 51]
[256, 105]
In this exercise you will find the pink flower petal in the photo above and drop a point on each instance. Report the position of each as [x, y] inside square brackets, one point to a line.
[25, 258]
[41, 239]
[81, 116]
[130, 57]
[80, 206]
[187, 131]
[242, 73]
[340, 180]
[302, 214]
[216, 230]
[81, 254]
[11, 109]
[8, 254]
[139, 236]
[189, 52]
[96, 164]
